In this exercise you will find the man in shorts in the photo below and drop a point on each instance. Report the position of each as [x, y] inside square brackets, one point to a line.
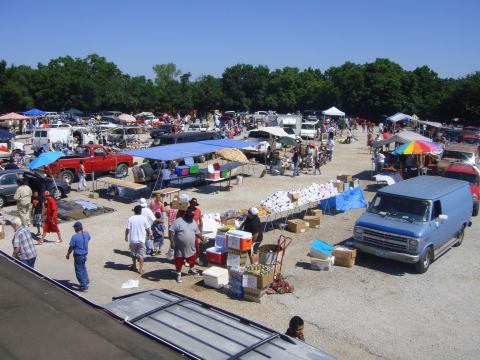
[136, 232]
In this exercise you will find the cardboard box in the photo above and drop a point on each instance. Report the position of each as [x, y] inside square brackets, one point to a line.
[257, 282]
[339, 186]
[344, 256]
[294, 197]
[297, 226]
[354, 183]
[177, 204]
[345, 178]
[313, 221]
[315, 212]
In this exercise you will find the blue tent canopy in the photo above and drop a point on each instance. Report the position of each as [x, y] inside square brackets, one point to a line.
[5, 134]
[179, 151]
[34, 112]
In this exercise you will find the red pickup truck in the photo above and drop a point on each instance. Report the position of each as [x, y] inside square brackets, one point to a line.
[468, 173]
[96, 159]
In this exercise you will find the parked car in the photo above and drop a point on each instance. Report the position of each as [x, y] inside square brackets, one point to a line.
[265, 139]
[160, 130]
[468, 173]
[309, 130]
[416, 220]
[463, 153]
[97, 159]
[198, 127]
[37, 182]
[185, 137]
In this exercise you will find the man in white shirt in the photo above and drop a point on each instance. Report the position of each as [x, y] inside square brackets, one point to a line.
[330, 148]
[136, 232]
[379, 162]
[150, 216]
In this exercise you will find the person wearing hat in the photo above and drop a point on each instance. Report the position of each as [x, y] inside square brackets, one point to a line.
[79, 247]
[182, 238]
[23, 197]
[253, 225]
[23, 246]
[136, 232]
[197, 217]
[51, 219]
[150, 216]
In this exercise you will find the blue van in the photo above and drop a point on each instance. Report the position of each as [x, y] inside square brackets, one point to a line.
[415, 221]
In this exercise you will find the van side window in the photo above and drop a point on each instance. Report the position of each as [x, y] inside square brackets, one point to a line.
[437, 209]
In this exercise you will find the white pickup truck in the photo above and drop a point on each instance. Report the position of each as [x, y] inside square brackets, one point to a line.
[309, 130]
[265, 138]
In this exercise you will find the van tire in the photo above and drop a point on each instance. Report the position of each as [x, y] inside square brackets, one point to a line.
[67, 176]
[460, 236]
[475, 209]
[424, 263]
[3, 201]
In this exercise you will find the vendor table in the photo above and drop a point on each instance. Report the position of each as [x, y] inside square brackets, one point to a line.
[119, 182]
[167, 192]
[121, 188]
[284, 216]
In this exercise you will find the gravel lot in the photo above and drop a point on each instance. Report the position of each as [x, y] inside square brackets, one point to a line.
[377, 309]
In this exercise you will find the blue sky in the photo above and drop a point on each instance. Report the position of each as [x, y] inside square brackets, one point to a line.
[206, 36]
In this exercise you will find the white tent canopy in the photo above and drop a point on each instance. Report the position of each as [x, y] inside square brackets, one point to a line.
[274, 130]
[126, 118]
[430, 123]
[333, 111]
[399, 117]
[401, 137]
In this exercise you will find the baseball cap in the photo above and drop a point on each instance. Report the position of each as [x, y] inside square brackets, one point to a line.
[253, 211]
[194, 202]
[77, 224]
[143, 202]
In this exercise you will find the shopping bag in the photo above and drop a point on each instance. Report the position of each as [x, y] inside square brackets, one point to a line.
[170, 254]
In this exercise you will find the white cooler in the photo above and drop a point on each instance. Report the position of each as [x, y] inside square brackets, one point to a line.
[215, 277]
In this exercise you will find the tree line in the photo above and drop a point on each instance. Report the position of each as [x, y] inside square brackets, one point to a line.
[369, 90]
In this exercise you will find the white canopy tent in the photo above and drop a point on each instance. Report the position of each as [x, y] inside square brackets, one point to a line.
[333, 111]
[401, 137]
[400, 117]
[430, 123]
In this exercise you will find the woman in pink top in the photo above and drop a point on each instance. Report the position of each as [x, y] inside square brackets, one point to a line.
[157, 204]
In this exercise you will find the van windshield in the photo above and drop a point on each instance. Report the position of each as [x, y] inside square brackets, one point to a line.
[471, 178]
[400, 207]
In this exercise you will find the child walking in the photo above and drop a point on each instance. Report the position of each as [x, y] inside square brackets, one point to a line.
[157, 233]
[37, 211]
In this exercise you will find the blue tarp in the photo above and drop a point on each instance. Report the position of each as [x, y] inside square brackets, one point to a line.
[347, 200]
[5, 134]
[34, 112]
[180, 151]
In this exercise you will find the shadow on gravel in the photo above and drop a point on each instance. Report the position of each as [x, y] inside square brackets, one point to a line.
[364, 175]
[68, 284]
[147, 259]
[303, 265]
[384, 265]
[373, 187]
[116, 266]
[161, 274]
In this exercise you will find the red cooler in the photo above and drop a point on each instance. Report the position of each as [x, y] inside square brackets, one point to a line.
[217, 256]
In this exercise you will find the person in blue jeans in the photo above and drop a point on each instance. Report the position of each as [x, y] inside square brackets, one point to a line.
[79, 247]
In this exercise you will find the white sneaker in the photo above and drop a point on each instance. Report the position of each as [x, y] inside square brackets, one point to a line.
[193, 271]
[179, 277]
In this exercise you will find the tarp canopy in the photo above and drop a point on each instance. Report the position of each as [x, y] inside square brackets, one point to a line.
[430, 123]
[399, 117]
[333, 111]
[401, 137]
[74, 112]
[180, 151]
[13, 116]
[35, 112]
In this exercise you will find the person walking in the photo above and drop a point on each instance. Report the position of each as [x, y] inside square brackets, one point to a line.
[82, 182]
[136, 232]
[330, 148]
[317, 164]
[379, 162]
[79, 247]
[37, 211]
[157, 205]
[182, 236]
[157, 233]
[23, 245]
[51, 218]
[349, 135]
[148, 214]
[296, 163]
[23, 197]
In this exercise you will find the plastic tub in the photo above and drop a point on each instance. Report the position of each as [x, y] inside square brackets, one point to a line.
[321, 264]
[217, 255]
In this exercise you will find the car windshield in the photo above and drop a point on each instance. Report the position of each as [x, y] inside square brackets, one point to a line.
[308, 126]
[471, 178]
[400, 207]
[450, 154]
[289, 131]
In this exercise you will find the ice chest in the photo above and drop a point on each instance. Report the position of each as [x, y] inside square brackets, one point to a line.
[320, 249]
[217, 255]
[214, 175]
[313, 221]
[182, 170]
[239, 240]
[221, 241]
[297, 225]
[321, 264]
[344, 256]
[236, 259]
[215, 277]
[194, 169]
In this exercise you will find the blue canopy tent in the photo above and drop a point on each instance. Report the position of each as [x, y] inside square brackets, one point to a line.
[5, 134]
[34, 112]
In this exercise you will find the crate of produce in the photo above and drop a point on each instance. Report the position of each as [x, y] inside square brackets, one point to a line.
[313, 221]
[297, 225]
[215, 277]
[254, 295]
[315, 212]
[217, 255]
[258, 276]
[320, 249]
[239, 240]
[344, 178]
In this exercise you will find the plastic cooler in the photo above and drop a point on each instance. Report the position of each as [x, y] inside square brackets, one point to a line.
[194, 169]
[214, 175]
[320, 249]
[217, 255]
[215, 277]
[182, 170]
[221, 241]
[239, 240]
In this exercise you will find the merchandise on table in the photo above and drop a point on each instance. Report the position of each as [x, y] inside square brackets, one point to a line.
[320, 249]
[194, 169]
[239, 240]
[214, 175]
[344, 256]
[215, 277]
[258, 276]
[297, 225]
[322, 264]
[217, 255]
[182, 170]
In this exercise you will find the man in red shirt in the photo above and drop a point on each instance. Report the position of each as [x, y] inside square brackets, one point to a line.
[51, 218]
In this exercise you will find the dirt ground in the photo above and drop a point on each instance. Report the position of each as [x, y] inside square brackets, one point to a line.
[377, 309]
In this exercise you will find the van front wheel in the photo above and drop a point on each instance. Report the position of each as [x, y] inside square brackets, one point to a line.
[424, 263]
[460, 236]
